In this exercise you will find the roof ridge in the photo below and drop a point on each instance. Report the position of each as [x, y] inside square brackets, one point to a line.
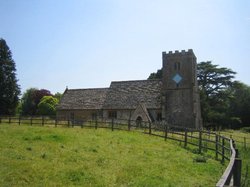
[145, 80]
[79, 89]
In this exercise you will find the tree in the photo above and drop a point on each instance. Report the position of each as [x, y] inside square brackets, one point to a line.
[214, 83]
[58, 96]
[30, 100]
[157, 75]
[9, 89]
[240, 102]
[28, 106]
[47, 105]
[39, 94]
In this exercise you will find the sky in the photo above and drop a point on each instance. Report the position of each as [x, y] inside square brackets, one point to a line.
[89, 43]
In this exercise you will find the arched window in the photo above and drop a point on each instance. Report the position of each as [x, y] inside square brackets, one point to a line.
[138, 121]
[112, 114]
[177, 66]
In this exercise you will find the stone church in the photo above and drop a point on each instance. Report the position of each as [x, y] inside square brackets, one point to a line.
[174, 98]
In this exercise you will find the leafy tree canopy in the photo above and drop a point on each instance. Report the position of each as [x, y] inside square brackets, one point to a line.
[240, 101]
[47, 105]
[9, 89]
[157, 75]
[212, 79]
[31, 99]
[58, 96]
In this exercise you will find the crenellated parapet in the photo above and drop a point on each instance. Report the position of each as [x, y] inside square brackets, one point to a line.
[178, 53]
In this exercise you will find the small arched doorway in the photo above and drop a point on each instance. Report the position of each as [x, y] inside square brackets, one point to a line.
[138, 121]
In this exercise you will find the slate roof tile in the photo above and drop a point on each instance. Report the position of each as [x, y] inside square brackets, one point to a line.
[77, 99]
[120, 95]
[128, 94]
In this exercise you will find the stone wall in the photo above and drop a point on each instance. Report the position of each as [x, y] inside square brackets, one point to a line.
[91, 114]
[180, 99]
[78, 114]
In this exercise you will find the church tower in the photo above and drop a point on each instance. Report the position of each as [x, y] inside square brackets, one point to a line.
[181, 101]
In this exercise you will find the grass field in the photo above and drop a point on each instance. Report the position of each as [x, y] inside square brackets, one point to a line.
[48, 156]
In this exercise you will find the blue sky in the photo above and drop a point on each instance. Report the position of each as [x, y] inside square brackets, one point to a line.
[89, 43]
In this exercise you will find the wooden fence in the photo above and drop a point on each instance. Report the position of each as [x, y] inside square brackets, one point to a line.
[203, 141]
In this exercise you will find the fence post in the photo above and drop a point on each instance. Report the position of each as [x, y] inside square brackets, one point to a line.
[245, 143]
[237, 169]
[216, 147]
[19, 120]
[129, 124]
[223, 150]
[166, 132]
[0, 120]
[42, 120]
[185, 143]
[149, 128]
[31, 120]
[200, 141]
[96, 123]
[68, 122]
[112, 124]
[56, 122]
[9, 119]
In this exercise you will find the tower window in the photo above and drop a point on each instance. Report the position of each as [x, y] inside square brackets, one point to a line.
[177, 65]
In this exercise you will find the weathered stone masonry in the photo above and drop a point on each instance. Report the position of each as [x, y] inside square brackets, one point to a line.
[175, 98]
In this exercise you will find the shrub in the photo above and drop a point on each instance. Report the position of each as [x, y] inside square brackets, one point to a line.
[245, 129]
[200, 158]
[47, 105]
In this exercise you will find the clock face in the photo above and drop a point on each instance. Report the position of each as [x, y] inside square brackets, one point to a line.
[177, 78]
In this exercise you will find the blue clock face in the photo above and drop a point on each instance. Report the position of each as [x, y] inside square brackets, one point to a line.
[177, 78]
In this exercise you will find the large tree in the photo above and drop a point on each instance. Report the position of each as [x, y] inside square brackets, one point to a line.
[157, 75]
[214, 80]
[30, 100]
[9, 89]
[214, 83]
[47, 105]
[240, 102]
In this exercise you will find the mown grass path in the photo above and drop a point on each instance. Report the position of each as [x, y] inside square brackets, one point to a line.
[48, 156]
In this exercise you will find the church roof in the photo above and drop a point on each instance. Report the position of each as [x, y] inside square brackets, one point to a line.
[78, 99]
[128, 94]
[120, 95]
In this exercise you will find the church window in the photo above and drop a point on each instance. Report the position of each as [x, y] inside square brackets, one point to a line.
[72, 116]
[159, 117]
[94, 116]
[112, 114]
[138, 121]
[177, 66]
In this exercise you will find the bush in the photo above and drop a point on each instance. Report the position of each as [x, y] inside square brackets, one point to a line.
[245, 129]
[47, 105]
[200, 158]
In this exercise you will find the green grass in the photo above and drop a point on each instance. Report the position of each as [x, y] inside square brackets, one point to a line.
[48, 156]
